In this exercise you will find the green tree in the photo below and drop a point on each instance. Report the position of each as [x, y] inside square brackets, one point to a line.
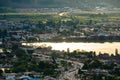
[95, 64]
[14, 47]
[20, 53]
[80, 72]
[1, 72]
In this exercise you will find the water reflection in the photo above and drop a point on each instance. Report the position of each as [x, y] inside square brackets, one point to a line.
[97, 47]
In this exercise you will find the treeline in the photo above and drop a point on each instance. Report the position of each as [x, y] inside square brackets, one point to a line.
[87, 39]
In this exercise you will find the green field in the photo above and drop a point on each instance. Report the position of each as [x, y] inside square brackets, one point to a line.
[43, 16]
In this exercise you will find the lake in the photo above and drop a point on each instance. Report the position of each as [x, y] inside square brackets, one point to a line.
[105, 47]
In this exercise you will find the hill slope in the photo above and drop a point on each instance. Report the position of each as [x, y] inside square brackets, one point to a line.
[82, 4]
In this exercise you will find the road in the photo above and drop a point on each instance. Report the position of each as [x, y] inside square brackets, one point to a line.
[70, 74]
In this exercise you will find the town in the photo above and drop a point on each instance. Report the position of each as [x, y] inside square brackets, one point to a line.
[19, 62]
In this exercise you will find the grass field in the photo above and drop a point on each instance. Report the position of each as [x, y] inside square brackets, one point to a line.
[81, 15]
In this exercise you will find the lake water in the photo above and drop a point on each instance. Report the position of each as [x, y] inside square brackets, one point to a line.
[105, 47]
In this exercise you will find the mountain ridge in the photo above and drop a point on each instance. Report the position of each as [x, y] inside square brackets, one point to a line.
[82, 4]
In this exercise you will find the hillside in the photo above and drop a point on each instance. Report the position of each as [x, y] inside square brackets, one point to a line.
[82, 4]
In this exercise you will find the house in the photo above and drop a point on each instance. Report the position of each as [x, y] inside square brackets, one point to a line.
[47, 36]
[23, 77]
[43, 51]
[32, 73]
[48, 78]
[10, 78]
[41, 57]
[1, 50]
[3, 23]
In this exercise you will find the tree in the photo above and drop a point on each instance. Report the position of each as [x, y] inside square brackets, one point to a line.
[80, 72]
[20, 53]
[92, 64]
[95, 64]
[1, 72]
[7, 71]
[68, 50]
[116, 52]
[14, 47]
[20, 68]
[49, 47]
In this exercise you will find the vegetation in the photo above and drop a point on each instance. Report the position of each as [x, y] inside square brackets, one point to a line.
[24, 63]
[72, 27]
[83, 5]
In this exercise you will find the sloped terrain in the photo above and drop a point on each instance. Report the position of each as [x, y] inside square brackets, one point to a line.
[82, 4]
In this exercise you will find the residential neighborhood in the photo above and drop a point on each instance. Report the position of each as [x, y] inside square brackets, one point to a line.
[33, 62]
